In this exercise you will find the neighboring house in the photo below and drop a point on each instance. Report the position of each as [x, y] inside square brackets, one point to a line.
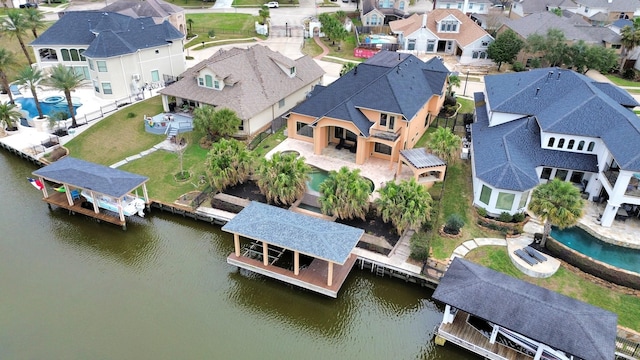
[118, 53]
[443, 31]
[380, 12]
[257, 83]
[500, 317]
[159, 10]
[619, 24]
[382, 106]
[522, 8]
[606, 11]
[534, 126]
[574, 28]
[465, 6]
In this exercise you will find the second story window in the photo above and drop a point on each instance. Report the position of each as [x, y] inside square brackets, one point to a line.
[383, 120]
[102, 66]
[449, 26]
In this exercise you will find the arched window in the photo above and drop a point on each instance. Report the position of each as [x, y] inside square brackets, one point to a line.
[551, 142]
[591, 146]
[560, 143]
[570, 145]
[74, 55]
[65, 55]
[581, 145]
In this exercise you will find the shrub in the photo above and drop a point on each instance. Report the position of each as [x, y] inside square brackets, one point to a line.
[467, 118]
[518, 217]
[505, 217]
[454, 224]
[419, 245]
[518, 66]
[629, 74]
[131, 115]
[482, 212]
[450, 100]
[211, 33]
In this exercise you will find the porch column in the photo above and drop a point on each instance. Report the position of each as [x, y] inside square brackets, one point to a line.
[44, 188]
[539, 352]
[447, 317]
[120, 210]
[67, 192]
[265, 253]
[296, 263]
[609, 214]
[145, 193]
[96, 209]
[236, 244]
[165, 102]
[330, 273]
[494, 334]
[399, 168]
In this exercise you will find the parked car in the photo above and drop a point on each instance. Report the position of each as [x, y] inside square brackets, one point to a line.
[28, 5]
[273, 4]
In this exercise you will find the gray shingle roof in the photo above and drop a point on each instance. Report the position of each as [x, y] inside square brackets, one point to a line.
[312, 236]
[420, 158]
[87, 175]
[258, 80]
[388, 82]
[107, 34]
[615, 5]
[147, 8]
[556, 320]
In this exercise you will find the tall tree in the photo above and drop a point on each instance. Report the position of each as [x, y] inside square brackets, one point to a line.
[264, 13]
[346, 67]
[556, 203]
[345, 194]
[630, 39]
[407, 205]
[228, 163]
[31, 78]
[553, 46]
[452, 80]
[35, 18]
[283, 178]
[7, 61]
[444, 143]
[9, 115]
[215, 124]
[66, 80]
[16, 25]
[505, 48]
[583, 57]
[190, 25]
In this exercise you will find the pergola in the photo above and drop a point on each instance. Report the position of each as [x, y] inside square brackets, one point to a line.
[325, 241]
[426, 167]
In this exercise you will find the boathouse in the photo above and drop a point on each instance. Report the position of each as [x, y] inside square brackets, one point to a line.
[80, 179]
[272, 231]
[500, 317]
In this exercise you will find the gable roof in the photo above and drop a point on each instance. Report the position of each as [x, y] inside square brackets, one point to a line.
[147, 8]
[387, 82]
[253, 79]
[574, 28]
[617, 5]
[87, 175]
[535, 6]
[553, 319]
[468, 32]
[107, 34]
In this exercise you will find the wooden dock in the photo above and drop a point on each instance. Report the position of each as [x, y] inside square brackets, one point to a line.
[60, 200]
[464, 335]
[313, 278]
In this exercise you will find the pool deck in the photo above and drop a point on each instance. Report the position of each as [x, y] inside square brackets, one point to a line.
[622, 233]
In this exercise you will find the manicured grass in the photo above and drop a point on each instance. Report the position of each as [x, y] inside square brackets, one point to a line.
[310, 48]
[118, 135]
[269, 143]
[346, 47]
[226, 26]
[622, 82]
[567, 283]
[192, 3]
[468, 107]
[162, 165]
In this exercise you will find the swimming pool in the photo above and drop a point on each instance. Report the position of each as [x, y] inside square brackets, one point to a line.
[585, 243]
[49, 108]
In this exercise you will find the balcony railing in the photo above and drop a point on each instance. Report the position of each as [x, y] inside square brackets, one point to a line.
[385, 135]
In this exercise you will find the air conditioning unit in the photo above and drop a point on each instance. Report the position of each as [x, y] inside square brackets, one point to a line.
[136, 77]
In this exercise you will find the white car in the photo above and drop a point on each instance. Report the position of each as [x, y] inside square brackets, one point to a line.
[273, 4]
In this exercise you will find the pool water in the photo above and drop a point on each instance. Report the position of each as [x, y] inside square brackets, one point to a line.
[583, 242]
[49, 108]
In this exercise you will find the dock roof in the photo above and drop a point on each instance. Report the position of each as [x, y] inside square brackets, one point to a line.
[87, 175]
[311, 236]
[572, 326]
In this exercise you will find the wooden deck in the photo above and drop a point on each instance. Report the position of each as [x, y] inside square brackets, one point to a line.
[313, 278]
[464, 335]
[60, 199]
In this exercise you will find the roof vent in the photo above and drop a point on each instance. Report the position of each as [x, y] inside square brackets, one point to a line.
[398, 56]
[558, 76]
[355, 70]
[549, 75]
[537, 91]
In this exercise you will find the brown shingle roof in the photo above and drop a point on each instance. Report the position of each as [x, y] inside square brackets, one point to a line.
[253, 77]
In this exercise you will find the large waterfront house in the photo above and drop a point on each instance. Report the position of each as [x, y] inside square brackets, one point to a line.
[119, 54]
[534, 126]
[257, 83]
[382, 106]
[159, 10]
[443, 31]
[500, 317]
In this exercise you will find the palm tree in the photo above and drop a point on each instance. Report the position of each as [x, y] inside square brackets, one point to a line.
[7, 61]
[444, 143]
[556, 203]
[264, 14]
[228, 163]
[345, 194]
[16, 25]
[30, 78]
[346, 67]
[9, 116]
[453, 80]
[220, 123]
[629, 38]
[190, 26]
[406, 204]
[283, 178]
[35, 18]
[66, 80]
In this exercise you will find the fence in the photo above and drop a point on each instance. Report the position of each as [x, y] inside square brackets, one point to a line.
[217, 31]
[201, 197]
[277, 124]
[628, 348]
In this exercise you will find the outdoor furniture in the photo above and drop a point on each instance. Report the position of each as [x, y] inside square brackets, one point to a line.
[526, 257]
[340, 144]
[535, 254]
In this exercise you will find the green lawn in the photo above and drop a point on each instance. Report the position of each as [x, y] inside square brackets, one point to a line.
[226, 26]
[568, 283]
[310, 48]
[118, 135]
[622, 82]
[468, 107]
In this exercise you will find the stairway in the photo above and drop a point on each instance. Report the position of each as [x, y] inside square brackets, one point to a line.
[171, 134]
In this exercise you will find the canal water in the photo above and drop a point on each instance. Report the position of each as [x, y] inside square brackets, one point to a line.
[71, 288]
